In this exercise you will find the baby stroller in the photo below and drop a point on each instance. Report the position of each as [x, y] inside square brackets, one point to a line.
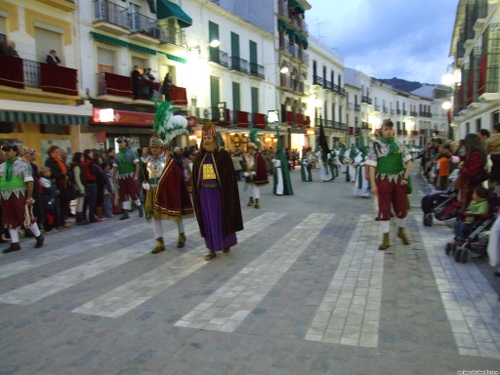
[477, 240]
[441, 204]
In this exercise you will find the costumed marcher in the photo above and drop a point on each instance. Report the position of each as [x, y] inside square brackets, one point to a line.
[167, 196]
[343, 160]
[305, 169]
[256, 173]
[16, 189]
[390, 164]
[281, 172]
[126, 169]
[351, 154]
[216, 198]
[325, 173]
[361, 184]
[332, 164]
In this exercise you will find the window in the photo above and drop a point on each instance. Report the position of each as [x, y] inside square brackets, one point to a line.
[214, 92]
[236, 96]
[140, 62]
[213, 34]
[478, 125]
[255, 99]
[47, 40]
[105, 60]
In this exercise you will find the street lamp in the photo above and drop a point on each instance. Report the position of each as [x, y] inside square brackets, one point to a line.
[214, 43]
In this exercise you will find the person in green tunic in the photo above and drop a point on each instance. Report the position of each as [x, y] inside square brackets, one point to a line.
[281, 172]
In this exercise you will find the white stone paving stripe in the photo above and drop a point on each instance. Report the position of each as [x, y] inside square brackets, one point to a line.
[130, 295]
[70, 250]
[63, 280]
[225, 309]
[470, 301]
[349, 313]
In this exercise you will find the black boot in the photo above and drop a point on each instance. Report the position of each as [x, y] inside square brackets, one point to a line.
[124, 215]
[14, 246]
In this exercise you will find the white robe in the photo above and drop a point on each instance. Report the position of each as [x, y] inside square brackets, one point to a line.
[364, 191]
[324, 171]
[279, 175]
[493, 244]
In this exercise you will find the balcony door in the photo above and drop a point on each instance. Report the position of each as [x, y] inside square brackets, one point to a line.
[135, 17]
[105, 60]
[47, 40]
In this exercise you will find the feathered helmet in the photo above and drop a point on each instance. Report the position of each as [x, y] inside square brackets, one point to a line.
[166, 125]
[253, 140]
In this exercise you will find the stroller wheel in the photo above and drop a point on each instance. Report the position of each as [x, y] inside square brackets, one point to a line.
[453, 248]
[458, 253]
[464, 255]
[447, 248]
[428, 220]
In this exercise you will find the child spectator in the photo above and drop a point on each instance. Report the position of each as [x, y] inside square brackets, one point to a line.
[443, 167]
[478, 206]
[48, 198]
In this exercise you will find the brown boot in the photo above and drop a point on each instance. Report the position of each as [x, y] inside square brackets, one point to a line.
[250, 202]
[385, 242]
[182, 240]
[257, 203]
[14, 246]
[39, 241]
[402, 235]
[160, 246]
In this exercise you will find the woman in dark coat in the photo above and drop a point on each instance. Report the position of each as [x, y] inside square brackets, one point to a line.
[474, 161]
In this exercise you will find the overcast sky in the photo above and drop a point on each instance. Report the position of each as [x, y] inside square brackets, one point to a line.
[408, 39]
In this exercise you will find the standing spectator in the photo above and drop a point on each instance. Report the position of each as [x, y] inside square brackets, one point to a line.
[167, 83]
[256, 173]
[493, 149]
[79, 181]
[108, 190]
[136, 82]
[110, 156]
[49, 195]
[16, 185]
[237, 162]
[60, 175]
[52, 58]
[216, 199]
[91, 172]
[11, 50]
[145, 91]
[443, 168]
[474, 162]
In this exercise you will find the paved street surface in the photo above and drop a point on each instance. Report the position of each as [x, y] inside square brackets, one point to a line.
[304, 292]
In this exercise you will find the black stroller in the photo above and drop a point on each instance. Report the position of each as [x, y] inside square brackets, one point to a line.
[477, 240]
[441, 204]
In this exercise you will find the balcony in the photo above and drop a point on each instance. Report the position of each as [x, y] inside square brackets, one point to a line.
[173, 35]
[257, 70]
[284, 46]
[318, 81]
[357, 107]
[144, 29]
[413, 114]
[291, 84]
[110, 17]
[414, 133]
[303, 57]
[52, 80]
[398, 111]
[328, 85]
[393, 111]
[114, 85]
[376, 108]
[242, 118]
[259, 120]
[366, 100]
[239, 65]
[405, 112]
[283, 10]
[218, 57]
[64, 5]
[384, 109]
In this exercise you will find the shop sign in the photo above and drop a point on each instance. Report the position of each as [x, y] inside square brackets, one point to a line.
[109, 116]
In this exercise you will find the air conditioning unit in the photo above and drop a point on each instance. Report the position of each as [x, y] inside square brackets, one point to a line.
[206, 113]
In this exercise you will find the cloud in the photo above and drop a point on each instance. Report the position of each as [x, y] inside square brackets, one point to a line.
[404, 38]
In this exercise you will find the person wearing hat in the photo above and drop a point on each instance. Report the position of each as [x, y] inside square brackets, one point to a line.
[167, 197]
[390, 167]
[125, 175]
[16, 193]
[216, 198]
[256, 173]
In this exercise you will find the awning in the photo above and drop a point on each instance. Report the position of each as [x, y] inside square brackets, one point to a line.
[295, 4]
[282, 24]
[167, 9]
[108, 39]
[152, 6]
[174, 58]
[44, 118]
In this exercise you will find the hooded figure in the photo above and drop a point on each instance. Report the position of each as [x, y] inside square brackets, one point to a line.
[256, 173]
[282, 182]
[361, 184]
